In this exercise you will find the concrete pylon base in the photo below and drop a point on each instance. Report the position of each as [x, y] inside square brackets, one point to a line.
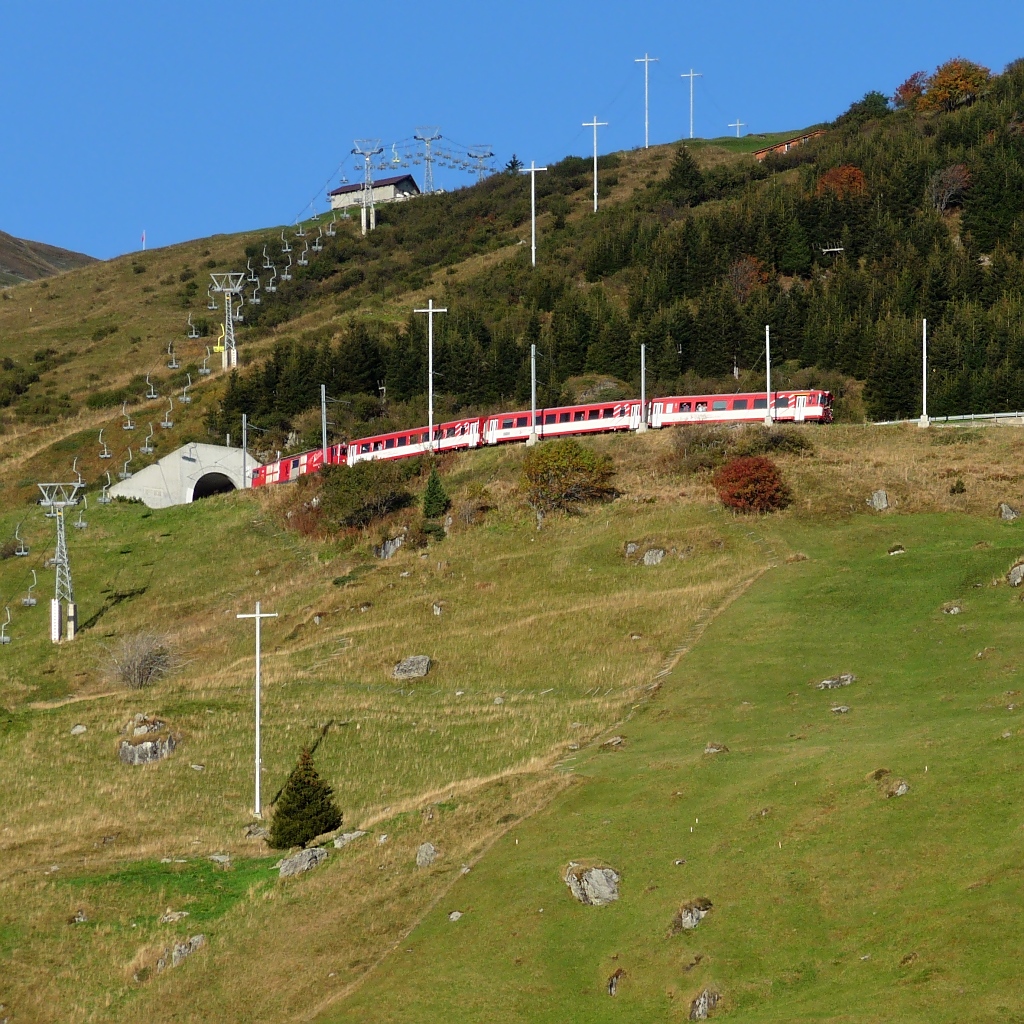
[924, 422]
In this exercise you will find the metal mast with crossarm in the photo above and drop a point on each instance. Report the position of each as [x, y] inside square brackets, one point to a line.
[427, 135]
[56, 497]
[368, 149]
[230, 285]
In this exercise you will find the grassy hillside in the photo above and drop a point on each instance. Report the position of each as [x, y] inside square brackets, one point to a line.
[22, 260]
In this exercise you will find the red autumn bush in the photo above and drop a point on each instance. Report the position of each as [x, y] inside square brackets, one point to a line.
[752, 484]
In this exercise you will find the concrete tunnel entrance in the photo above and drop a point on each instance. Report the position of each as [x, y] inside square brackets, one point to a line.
[212, 483]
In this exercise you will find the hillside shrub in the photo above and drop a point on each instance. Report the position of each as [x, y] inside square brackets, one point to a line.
[760, 440]
[435, 498]
[360, 494]
[699, 447]
[562, 475]
[305, 809]
[752, 484]
[141, 659]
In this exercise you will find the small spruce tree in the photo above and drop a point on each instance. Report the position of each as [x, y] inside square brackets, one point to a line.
[435, 498]
[305, 809]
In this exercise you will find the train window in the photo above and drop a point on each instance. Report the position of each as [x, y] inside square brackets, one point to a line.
[549, 417]
[577, 416]
[450, 432]
[684, 407]
[521, 421]
[295, 463]
[364, 447]
[760, 403]
[594, 414]
[506, 424]
[608, 413]
[739, 403]
[702, 407]
[389, 443]
[719, 405]
[782, 402]
[377, 446]
[563, 417]
[402, 442]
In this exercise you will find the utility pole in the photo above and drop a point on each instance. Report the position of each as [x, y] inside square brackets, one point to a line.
[647, 62]
[691, 75]
[245, 442]
[924, 421]
[367, 149]
[430, 311]
[532, 172]
[643, 390]
[259, 617]
[768, 369]
[738, 124]
[323, 419]
[595, 124]
[532, 439]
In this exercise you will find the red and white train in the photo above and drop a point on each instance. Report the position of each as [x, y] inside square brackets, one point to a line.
[811, 406]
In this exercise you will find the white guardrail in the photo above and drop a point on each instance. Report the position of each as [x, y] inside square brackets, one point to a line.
[965, 418]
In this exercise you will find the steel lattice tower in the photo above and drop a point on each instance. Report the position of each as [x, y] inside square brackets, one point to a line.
[229, 285]
[56, 497]
[427, 135]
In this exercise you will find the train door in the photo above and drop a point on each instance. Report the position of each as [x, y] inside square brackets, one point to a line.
[635, 417]
[801, 408]
[656, 410]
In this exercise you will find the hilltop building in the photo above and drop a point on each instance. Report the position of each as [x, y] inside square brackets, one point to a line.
[385, 190]
[784, 147]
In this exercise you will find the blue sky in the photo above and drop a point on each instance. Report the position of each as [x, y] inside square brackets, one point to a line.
[188, 119]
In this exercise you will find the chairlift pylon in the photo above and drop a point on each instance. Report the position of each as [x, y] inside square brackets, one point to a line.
[105, 452]
[29, 601]
[128, 422]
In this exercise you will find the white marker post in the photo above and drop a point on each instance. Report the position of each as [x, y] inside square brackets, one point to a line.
[430, 311]
[532, 439]
[532, 172]
[647, 61]
[643, 390]
[768, 370]
[258, 616]
[924, 421]
[595, 124]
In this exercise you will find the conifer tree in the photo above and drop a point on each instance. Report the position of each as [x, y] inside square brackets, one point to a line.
[305, 809]
[435, 498]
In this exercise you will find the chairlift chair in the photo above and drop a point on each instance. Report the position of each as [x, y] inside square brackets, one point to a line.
[126, 473]
[211, 302]
[252, 273]
[266, 259]
[285, 276]
[29, 601]
[151, 393]
[301, 231]
[236, 311]
[74, 469]
[271, 287]
[4, 638]
[80, 523]
[285, 247]
[303, 260]
[204, 370]
[128, 423]
[254, 299]
[318, 245]
[173, 364]
[167, 422]
[147, 448]
[104, 498]
[330, 227]
[193, 331]
[186, 398]
[105, 453]
[21, 551]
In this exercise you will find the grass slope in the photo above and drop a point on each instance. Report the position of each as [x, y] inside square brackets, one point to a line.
[831, 902]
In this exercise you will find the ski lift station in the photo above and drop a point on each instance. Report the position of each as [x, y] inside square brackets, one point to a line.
[385, 190]
[192, 472]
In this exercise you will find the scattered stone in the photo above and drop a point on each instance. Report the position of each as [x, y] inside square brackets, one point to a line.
[613, 981]
[691, 914]
[833, 684]
[632, 548]
[841, 709]
[78, 918]
[304, 860]
[460, 693]
[1016, 574]
[414, 667]
[78, 730]
[879, 501]
[405, 575]
[499, 700]
[716, 748]
[198, 767]
[254, 831]
[173, 916]
[150, 740]
[952, 608]
[1007, 512]
[615, 743]
[679, 862]
[366, 606]
[897, 549]
[654, 556]
[898, 787]
[347, 837]
[220, 858]
[636, 636]
[703, 1004]
[594, 887]
[438, 607]
[426, 855]
[455, 915]
[464, 870]
[389, 547]
[382, 839]
[181, 951]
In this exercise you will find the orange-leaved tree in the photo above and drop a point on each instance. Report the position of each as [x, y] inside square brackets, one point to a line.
[843, 182]
[957, 83]
[908, 95]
